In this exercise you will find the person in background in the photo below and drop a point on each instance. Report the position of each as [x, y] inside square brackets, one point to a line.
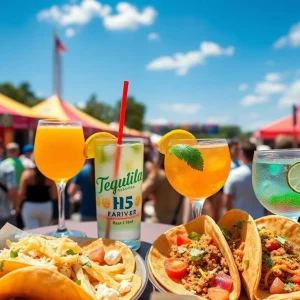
[27, 157]
[84, 183]
[234, 153]
[168, 203]
[2, 153]
[238, 190]
[12, 166]
[36, 191]
[283, 141]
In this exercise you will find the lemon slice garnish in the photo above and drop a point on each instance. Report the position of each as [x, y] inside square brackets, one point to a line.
[89, 149]
[293, 177]
[177, 134]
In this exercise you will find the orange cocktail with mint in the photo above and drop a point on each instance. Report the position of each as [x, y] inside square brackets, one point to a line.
[196, 168]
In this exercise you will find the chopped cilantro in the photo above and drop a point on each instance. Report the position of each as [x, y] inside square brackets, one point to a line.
[289, 286]
[194, 236]
[259, 228]
[70, 252]
[246, 262]
[78, 282]
[288, 280]
[181, 250]
[225, 233]
[2, 265]
[264, 236]
[88, 264]
[14, 253]
[239, 224]
[280, 240]
[196, 254]
[267, 260]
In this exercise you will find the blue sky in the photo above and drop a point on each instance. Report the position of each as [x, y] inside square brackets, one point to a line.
[227, 62]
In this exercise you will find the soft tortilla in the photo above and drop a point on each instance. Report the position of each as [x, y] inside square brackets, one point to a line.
[252, 251]
[161, 249]
[22, 280]
[127, 255]
[290, 230]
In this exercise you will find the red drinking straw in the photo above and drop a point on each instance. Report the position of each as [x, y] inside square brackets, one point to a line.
[120, 139]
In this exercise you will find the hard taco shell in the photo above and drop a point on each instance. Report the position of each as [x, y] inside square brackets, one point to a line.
[161, 249]
[290, 230]
[252, 251]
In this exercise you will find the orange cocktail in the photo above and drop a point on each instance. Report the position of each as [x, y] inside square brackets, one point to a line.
[58, 151]
[59, 155]
[194, 183]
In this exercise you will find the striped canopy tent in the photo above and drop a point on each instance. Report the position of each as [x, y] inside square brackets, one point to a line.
[15, 115]
[54, 107]
[282, 126]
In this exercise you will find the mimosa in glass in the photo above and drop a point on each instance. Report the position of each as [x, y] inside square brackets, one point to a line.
[192, 182]
[58, 153]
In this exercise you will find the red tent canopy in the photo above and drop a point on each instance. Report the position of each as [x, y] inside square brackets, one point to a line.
[282, 126]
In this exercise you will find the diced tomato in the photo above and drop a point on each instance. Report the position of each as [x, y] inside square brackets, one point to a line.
[222, 281]
[215, 293]
[296, 279]
[277, 287]
[175, 267]
[97, 255]
[182, 239]
[272, 245]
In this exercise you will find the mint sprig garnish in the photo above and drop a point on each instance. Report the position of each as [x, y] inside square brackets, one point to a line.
[189, 154]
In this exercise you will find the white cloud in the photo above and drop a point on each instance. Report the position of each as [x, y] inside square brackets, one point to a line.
[153, 36]
[183, 62]
[70, 32]
[269, 88]
[243, 87]
[250, 100]
[291, 95]
[127, 15]
[81, 105]
[273, 77]
[159, 121]
[185, 109]
[291, 39]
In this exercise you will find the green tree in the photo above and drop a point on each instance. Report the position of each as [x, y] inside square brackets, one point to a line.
[99, 110]
[22, 93]
[135, 113]
[230, 131]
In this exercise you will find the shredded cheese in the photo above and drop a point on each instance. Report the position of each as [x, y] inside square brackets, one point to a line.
[266, 231]
[282, 267]
[202, 273]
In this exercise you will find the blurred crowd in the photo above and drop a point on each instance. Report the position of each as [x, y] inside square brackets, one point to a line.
[28, 199]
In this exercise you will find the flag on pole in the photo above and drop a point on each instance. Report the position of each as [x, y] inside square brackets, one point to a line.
[60, 48]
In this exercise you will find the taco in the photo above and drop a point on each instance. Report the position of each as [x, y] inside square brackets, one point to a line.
[195, 259]
[240, 232]
[39, 266]
[280, 274]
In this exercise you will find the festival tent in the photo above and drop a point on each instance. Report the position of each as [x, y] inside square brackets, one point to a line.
[282, 126]
[54, 107]
[14, 116]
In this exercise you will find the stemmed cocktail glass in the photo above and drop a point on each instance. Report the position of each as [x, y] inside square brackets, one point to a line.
[276, 181]
[59, 155]
[197, 169]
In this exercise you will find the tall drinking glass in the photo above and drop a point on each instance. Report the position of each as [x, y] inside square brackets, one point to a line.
[58, 153]
[275, 177]
[197, 169]
[118, 180]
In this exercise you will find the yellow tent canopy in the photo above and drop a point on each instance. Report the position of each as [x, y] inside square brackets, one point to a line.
[54, 107]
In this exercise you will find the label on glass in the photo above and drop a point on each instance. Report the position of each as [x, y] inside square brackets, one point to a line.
[119, 198]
